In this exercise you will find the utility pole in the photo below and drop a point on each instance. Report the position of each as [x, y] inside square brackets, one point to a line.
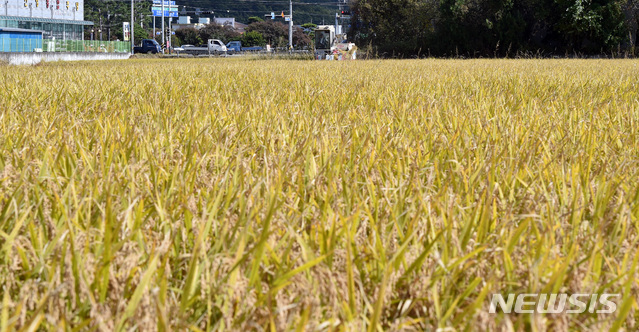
[6, 8]
[108, 22]
[132, 27]
[163, 32]
[290, 26]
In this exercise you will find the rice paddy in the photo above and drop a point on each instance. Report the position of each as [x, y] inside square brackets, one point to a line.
[222, 194]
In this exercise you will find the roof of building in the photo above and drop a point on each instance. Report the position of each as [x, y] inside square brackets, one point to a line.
[44, 20]
[20, 30]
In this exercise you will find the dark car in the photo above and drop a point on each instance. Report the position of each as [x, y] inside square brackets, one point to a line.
[148, 46]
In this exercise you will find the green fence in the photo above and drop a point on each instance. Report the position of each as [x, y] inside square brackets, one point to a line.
[46, 45]
[86, 46]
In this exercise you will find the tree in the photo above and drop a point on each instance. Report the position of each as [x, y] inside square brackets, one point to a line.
[394, 26]
[301, 39]
[253, 38]
[308, 27]
[214, 31]
[274, 33]
[140, 34]
[189, 36]
[493, 27]
[254, 19]
[109, 15]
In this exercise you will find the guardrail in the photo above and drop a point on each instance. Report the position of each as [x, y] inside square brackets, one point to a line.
[46, 45]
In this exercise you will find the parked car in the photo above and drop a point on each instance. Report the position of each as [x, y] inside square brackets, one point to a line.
[148, 46]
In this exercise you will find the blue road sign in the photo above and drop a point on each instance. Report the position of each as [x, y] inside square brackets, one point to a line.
[159, 9]
[166, 13]
[166, 3]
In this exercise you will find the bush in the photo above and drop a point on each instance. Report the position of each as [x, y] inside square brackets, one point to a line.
[253, 38]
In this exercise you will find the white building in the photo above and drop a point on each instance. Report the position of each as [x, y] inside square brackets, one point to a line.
[62, 19]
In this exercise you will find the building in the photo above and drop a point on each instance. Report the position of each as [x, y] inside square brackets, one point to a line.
[56, 19]
[228, 21]
[186, 22]
[20, 40]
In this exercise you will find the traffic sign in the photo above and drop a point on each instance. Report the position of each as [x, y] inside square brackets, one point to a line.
[166, 3]
[158, 13]
[159, 9]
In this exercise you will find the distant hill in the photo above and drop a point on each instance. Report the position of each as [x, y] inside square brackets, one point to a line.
[315, 11]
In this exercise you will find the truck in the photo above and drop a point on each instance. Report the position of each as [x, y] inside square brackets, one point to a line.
[236, 47]
[214, 46]
[148, 46]
[330, 46]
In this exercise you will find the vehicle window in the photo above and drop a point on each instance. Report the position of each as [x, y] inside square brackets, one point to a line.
[322, 39]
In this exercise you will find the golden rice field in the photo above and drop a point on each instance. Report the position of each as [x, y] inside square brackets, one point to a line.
[255, 195]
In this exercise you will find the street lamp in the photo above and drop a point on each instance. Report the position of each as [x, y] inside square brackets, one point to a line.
[92, 31]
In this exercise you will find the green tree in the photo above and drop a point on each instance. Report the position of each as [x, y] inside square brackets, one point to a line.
[493, 27]
[139, 34]
[253, 38]
[309, 29]
[274, 33]
[254, 19]
[108, 15]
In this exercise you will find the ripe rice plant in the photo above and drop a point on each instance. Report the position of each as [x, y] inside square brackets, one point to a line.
[313, 195]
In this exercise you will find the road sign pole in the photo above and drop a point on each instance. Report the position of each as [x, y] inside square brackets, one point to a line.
[163, 32]
[131, 27]
[290, 26]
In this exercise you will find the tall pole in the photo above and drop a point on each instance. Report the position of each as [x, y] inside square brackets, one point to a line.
[131, 27]
[290, 26]
[163, 32]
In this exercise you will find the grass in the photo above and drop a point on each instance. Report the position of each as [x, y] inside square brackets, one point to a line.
[275, 195]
